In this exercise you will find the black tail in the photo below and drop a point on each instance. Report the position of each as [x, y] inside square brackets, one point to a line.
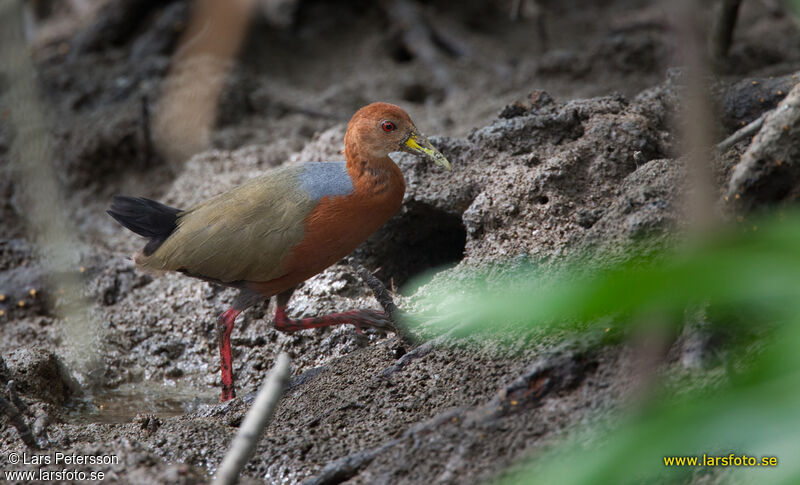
[145, 217]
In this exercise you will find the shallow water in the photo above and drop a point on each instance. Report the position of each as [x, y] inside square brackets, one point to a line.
[123, 403]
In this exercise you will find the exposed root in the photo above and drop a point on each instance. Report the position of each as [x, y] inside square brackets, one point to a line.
[15, 413]
[748, 130]
[347, 467]
[552, 373]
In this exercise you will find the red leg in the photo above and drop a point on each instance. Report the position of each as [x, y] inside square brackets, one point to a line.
[224, 328]
[359, 318]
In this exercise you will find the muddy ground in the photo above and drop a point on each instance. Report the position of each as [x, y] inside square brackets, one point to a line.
[559, 148]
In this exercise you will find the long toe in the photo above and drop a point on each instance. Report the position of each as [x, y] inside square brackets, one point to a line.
[375, 319]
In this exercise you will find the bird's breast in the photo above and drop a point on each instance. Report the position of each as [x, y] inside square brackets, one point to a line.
[345, 213]
[338, 224]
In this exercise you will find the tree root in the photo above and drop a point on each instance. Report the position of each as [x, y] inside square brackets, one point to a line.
[15, 409]
[749, 130]
[555, 372]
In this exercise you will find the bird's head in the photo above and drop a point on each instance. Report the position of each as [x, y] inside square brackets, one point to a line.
[381, 128]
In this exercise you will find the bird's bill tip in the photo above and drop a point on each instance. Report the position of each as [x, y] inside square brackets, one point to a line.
[418, 144]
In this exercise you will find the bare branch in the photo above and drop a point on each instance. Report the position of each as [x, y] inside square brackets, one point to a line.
[254, 423]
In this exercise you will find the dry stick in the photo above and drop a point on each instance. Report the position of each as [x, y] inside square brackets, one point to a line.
[254, 423]
[697, 116]
[742, 133]
[18, 422]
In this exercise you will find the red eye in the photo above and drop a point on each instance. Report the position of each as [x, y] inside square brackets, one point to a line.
[388, 126]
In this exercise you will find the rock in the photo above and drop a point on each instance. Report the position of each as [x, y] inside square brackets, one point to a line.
[4, 373]
[745, 100]
[583, 171]
[162, 37]
[115, 25]
[116, 279]
[109, 141]
[24, 290]
[40, 374]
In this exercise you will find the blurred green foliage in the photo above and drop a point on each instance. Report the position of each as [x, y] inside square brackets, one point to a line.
[747, 278]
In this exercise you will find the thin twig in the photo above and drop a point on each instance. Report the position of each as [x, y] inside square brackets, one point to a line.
[697, 116]
[18, 422]
[742, 133]
[254, 423]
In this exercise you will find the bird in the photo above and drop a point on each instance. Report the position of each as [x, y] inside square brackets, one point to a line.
[280, 228]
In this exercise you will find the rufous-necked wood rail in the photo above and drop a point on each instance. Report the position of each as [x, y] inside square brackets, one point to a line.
[276, 230]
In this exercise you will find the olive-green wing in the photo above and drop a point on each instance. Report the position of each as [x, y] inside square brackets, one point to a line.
[242, 234]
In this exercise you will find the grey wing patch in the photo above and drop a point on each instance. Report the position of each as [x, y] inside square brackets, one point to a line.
[321, 179]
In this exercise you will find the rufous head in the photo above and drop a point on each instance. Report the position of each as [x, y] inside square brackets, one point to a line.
[381, 128]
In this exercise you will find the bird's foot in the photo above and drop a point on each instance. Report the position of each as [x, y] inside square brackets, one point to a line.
[359, 318]
[372, 318]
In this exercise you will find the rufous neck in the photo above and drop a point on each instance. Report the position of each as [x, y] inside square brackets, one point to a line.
[360, 162]
[374, 174]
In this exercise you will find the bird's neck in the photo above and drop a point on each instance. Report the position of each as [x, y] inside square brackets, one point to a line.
[374, 175]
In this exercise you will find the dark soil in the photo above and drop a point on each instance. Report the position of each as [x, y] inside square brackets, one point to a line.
[558, 150]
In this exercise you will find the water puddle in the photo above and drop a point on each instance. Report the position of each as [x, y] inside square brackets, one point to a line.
[122, 404]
